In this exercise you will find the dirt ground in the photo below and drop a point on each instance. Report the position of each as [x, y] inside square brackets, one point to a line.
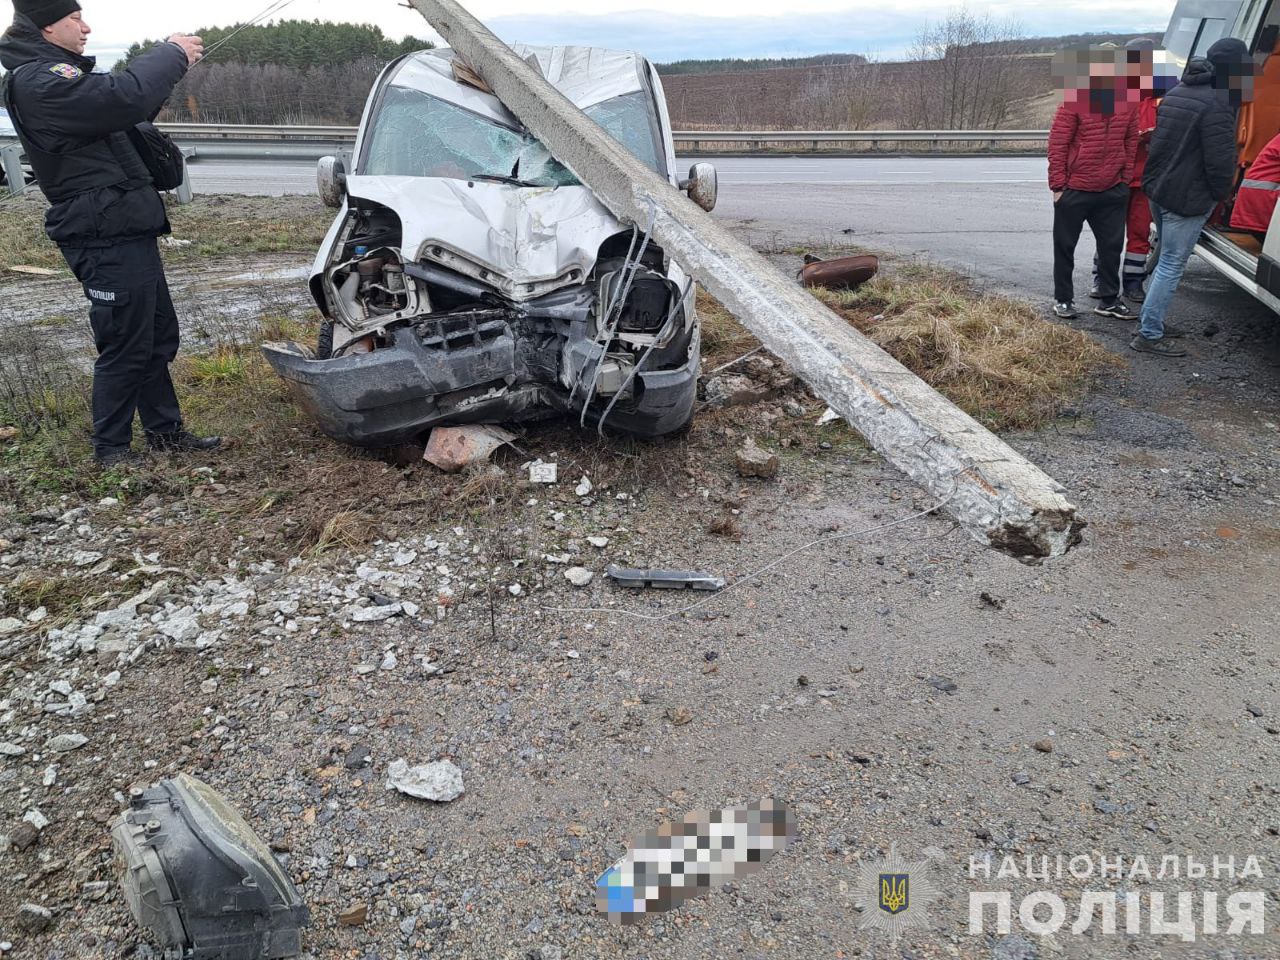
[899, 686]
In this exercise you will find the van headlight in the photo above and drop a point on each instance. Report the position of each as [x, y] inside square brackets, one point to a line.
[200, 880]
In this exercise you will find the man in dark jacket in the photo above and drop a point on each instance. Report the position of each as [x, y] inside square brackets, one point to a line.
[1092, 146]
[1191, 168]
[106, 214]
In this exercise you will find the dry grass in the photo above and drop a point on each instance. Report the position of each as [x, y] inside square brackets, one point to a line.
[995, 357]
[213, 225]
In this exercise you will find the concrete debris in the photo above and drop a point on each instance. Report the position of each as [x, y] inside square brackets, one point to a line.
[733, 390]
[583, 489]
[35, 818]
[664, 579]
[598, 542]
[440, 781]
[579, 576]
[751, 461]
[10, 625]
[65, 742]
[8, 749]
[454, 448]
[374, 614]
[540, 472]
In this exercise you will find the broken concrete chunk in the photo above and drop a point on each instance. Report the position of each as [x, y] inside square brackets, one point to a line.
[598, 542]
[584, 487]
[754, 462]
[35, 818]
[733, 390]
[453, 448]
[374, 614]
[65, 742]
[440, 781]
[579, 576]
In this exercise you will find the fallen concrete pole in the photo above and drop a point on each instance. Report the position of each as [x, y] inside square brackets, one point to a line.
[999, 497]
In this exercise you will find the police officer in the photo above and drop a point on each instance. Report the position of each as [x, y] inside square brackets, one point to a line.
[105, 214]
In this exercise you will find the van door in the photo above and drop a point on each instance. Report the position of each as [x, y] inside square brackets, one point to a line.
[1196, 24]
[1268, 275]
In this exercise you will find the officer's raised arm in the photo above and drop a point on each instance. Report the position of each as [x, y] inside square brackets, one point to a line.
[99, 103]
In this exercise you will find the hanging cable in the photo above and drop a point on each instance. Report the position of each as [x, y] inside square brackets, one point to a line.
[271, 10]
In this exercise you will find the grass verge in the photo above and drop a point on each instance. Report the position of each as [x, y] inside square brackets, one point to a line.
[208, 226]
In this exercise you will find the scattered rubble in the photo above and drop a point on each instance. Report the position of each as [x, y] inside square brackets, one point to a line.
[579, 576]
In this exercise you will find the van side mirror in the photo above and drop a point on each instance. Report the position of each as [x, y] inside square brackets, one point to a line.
[331, 179]
[702, 186]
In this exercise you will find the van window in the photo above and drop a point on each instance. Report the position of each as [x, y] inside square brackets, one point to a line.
[1211, 31]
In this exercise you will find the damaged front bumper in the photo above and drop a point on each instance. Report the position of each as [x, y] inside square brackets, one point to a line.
[395, 393]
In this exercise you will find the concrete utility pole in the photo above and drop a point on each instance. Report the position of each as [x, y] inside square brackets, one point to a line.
[1002, 499]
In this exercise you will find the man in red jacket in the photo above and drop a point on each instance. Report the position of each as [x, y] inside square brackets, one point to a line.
[1256, 199]
[1093, 144]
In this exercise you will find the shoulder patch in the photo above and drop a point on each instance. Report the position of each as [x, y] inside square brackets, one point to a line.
[66, 70]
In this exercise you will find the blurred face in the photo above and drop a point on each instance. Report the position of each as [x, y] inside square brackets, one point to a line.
[69, 33]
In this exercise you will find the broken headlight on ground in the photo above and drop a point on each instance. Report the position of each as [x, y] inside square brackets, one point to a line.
[200, 880]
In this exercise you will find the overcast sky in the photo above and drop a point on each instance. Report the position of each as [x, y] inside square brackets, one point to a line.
[663, 30]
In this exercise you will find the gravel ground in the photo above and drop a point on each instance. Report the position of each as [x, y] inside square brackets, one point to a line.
[901, 686]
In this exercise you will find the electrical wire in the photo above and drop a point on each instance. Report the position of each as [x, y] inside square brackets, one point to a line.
[761, 571]
[614, 314]
[271, 10]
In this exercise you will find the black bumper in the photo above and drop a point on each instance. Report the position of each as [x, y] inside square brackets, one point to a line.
[396, 393]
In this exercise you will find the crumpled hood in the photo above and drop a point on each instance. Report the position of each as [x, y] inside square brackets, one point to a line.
[524, 241]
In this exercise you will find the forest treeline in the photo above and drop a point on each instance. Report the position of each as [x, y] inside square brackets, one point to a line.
[291, 72]
[966, 71]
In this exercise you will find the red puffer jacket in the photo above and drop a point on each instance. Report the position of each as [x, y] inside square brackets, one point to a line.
[1091, 151]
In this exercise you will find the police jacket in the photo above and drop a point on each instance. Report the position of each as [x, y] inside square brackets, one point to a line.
[1191, 164]
[73, 124]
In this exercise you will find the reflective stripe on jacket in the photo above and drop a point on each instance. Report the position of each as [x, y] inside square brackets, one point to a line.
[1258, 194]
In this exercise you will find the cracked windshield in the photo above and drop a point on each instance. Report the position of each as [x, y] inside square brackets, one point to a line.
[418, 135]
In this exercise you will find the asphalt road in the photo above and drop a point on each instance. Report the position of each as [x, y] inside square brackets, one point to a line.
[968, 212]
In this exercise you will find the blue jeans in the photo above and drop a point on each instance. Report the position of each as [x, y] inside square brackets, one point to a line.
[1178, 236]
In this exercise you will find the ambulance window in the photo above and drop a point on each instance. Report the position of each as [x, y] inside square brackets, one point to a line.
[1182, 36]
[1211, 32]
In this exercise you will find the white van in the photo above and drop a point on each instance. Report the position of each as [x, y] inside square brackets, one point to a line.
[1195, 25]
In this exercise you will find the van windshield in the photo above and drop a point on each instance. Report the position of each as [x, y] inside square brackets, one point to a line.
[415, 134]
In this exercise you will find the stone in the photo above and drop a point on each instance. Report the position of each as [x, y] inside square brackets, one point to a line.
[183, 628]
[440, 781]
[83, 558]
[10, 625]
[34, 918]
[355, 915]
[357, 757]
[374, 614]
[584, 488]
[8, 749]
[598, 542]
[23, 836]
[208, 686]
[66, 742]
[389, 662]
[1043, 746]
[579, 576]
[754, 462]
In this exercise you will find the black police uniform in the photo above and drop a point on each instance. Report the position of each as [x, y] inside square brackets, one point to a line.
[105, 216]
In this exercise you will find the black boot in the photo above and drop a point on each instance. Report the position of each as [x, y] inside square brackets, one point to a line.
[181, 441]
[118, 457]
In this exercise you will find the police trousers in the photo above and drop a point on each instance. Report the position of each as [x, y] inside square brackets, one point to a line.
[135, 330]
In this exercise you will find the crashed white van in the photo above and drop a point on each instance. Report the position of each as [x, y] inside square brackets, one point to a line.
[470, 277]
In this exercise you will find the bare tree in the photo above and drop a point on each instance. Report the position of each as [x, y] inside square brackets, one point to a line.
[963, 74]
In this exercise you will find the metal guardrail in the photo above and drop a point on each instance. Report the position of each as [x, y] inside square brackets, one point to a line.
[264, 142]
[198, 135]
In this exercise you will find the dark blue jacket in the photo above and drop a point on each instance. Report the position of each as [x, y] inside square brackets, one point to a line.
[73, 124]
[1191, 164]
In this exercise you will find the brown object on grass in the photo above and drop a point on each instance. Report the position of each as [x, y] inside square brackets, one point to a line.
[842, 273]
